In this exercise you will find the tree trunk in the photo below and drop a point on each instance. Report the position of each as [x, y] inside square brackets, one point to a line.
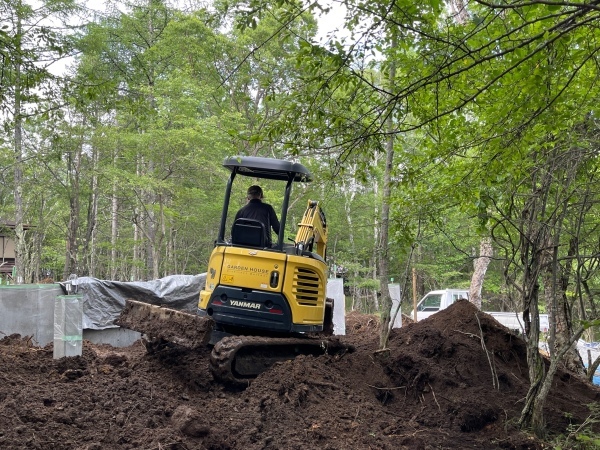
[136, 273]
[71, 256]
[349, 194]
[535, 240]
[38, 240]
[480, 266]
[376, 243]
[557, 304]
[559, 311]
[114, 231]
[20, 249]
[532, 413]
[383, 247]
[89, 242]
[459, 11]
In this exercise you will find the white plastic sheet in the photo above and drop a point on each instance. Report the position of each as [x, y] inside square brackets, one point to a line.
[335, 290]
[68, 325]
[395, 311]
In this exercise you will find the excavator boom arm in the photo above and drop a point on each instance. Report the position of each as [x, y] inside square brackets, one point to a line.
[312, 230]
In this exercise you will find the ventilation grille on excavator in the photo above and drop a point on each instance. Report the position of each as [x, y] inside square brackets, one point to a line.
[308, 288]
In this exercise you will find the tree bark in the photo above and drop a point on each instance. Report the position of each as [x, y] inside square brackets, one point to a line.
[480, 266]
[114, 230]
[73, 171]
[376, 244]
[349, 194]
[459, 11]
[20, 246]
[383, 248]
[89, 241]
[535, 240]
[560, 319]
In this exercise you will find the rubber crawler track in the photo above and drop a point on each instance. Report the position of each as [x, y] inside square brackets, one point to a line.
[224, 353]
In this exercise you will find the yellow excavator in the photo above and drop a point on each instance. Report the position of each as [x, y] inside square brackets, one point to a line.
[261, 304]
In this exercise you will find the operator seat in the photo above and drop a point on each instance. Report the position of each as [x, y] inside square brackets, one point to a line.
[249, 233]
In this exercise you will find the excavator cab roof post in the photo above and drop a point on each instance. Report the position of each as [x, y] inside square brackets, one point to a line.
[268, 168]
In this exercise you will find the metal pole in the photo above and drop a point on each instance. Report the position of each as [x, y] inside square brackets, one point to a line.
[221, 237]
[414, 289]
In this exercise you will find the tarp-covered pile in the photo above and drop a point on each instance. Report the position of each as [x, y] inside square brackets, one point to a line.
[104, 300]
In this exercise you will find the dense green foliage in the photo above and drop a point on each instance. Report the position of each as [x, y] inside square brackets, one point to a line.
[157, 97]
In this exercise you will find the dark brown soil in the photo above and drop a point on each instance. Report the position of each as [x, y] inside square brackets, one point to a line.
[436, 388]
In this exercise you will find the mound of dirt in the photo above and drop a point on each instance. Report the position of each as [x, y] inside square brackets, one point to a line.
[454, 381]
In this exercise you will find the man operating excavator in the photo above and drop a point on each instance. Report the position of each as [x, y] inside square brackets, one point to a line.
[261, 304]
[258, 210]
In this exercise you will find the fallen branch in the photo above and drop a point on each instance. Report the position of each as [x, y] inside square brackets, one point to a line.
[436, 402]
[468, 334]
[356, 416]
[495, 381]
[386, 388]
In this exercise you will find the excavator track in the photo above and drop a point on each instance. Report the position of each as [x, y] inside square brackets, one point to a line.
[236, 360]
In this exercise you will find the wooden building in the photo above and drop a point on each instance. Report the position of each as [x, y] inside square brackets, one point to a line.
[7, 249]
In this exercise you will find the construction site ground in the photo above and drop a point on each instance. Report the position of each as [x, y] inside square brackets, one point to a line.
[455, 381]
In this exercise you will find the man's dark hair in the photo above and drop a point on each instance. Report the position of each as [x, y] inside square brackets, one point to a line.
[255, 192]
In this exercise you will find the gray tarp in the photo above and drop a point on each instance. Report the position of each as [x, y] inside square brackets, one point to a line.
[104, 300]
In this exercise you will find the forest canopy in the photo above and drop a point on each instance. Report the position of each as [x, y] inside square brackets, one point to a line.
[113, 166]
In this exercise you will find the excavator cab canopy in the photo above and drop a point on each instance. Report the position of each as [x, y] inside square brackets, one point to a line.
[267, 168]
[270, 168]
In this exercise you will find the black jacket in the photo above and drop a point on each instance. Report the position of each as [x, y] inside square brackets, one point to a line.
[263, 212]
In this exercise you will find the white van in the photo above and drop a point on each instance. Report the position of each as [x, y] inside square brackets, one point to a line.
[435, 301]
